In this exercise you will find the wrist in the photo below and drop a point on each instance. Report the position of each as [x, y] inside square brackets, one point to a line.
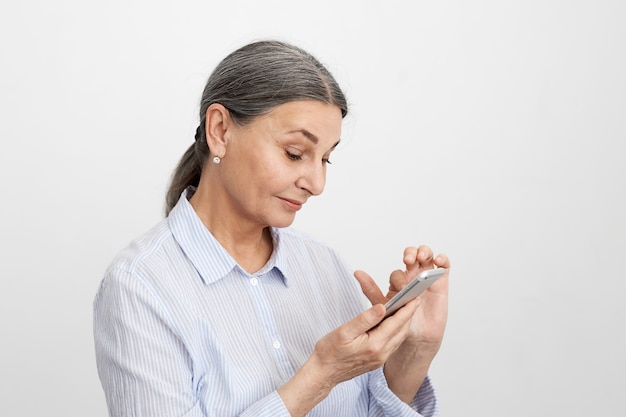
[416, 358]
[318, 380]
[418, 348]
[405, 371]
[307, 388]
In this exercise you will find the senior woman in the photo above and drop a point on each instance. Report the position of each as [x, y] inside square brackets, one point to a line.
[223, 310]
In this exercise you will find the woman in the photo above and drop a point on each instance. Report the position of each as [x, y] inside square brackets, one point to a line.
[221, 310]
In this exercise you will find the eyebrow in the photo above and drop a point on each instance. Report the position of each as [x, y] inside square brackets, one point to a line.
[310, 136]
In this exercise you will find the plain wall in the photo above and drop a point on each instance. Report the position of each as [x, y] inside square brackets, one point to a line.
[494, 131]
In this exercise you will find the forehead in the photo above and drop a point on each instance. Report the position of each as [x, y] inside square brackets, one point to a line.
[319, 122]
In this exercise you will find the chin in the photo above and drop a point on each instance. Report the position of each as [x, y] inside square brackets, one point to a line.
[285, 221]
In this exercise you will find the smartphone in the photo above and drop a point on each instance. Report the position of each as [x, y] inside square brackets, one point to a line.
[414, 288]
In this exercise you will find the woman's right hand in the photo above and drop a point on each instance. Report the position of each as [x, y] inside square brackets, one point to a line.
[358, 346]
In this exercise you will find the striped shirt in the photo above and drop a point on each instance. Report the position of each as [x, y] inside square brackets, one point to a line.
[181, 330]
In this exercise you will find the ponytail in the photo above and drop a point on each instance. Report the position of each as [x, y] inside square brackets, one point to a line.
[188, 170]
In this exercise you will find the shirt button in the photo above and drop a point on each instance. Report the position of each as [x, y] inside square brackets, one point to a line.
[254, 281]
[276, 344]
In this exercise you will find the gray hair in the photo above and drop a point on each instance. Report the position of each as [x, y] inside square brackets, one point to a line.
[250, 82]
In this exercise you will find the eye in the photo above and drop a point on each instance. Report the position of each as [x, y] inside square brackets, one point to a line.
[293, 156]
[326, 161]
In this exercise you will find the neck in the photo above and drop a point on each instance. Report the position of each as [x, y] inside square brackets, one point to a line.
[250, 245]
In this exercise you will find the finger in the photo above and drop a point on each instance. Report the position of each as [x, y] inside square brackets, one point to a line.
[418, 259]
[397, 280]
[364, 321]
[369, 287]
[425, 256]
[410, 256]
[441, 286]
[422, 255]
[442, 261]
[395, 326]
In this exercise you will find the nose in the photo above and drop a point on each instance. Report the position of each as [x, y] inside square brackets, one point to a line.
[313, 178]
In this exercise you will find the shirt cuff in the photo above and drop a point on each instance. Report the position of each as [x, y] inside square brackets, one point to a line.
[424, 403]
[269, 406]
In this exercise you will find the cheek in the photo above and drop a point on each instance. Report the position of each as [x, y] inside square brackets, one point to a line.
[260, 181]
[269, 183]
[261, 174]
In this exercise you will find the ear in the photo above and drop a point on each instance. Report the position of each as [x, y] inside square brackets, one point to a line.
[217, 123]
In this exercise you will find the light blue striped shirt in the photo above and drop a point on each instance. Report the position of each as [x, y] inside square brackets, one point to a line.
[181, 330]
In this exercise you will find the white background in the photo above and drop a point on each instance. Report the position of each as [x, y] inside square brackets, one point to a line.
[494, 131]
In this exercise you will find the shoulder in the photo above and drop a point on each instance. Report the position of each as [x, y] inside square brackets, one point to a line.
[145, 249]
[143, 261]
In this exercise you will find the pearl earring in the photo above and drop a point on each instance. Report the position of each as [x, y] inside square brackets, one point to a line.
[216, 160]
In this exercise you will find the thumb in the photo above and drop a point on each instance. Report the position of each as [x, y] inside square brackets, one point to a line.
[369, 287]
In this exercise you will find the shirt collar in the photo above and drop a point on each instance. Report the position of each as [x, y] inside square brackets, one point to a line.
[278, 259]
[206, 254]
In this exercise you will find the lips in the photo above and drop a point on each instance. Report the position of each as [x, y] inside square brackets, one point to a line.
[293, 204]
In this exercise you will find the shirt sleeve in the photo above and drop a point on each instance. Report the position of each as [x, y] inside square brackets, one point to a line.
[383, 402]
[144, 367]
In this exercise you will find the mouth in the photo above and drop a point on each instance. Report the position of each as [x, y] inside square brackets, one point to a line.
[294, 205]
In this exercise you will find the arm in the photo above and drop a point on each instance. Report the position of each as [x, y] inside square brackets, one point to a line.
[144, 364]
[351, 350]
[408, 366]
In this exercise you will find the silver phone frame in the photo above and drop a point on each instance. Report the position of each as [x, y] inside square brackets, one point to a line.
[414, 288]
